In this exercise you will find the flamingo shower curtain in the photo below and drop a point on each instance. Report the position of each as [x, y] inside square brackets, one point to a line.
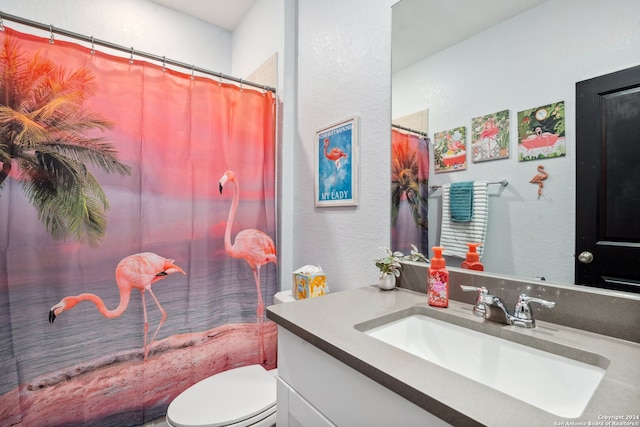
[117, 182]
[409, 192]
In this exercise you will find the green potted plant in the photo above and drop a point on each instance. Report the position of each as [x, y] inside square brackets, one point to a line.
[390, 265]
[503, 143]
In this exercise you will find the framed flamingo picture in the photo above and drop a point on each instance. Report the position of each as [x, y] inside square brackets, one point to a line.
[336, 164]
[490, 137]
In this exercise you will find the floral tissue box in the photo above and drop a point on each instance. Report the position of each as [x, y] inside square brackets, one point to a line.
[308, 282]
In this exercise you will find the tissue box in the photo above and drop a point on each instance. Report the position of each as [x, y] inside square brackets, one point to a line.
[309, 285]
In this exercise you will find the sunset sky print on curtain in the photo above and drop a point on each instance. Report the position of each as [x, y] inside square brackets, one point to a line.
[409, 192]
[110, 181]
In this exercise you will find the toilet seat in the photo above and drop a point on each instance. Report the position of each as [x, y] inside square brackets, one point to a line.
[238, 397]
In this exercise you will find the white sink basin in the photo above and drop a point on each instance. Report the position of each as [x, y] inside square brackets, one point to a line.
[556, 384]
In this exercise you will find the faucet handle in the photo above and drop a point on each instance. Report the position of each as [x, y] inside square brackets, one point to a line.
[479, 308]
[543, 302]
[524, 312]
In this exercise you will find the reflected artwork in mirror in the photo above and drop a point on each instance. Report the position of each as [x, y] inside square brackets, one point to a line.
[459, 70]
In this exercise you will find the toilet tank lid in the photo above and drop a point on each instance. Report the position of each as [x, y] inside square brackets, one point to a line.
[283, 296]
[225, 398]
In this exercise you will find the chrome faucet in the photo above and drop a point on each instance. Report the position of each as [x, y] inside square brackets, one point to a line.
[493, 308]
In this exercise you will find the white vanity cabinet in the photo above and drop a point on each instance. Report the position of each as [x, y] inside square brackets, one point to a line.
[333, 373]
[315, 389]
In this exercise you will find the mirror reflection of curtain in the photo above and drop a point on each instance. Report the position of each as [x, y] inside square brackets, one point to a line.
[409, 191]
[103, 158]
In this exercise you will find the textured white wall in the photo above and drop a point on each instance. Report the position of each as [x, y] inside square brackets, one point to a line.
[533, 59]
[258, 36]
[142, 24]
[344, 69]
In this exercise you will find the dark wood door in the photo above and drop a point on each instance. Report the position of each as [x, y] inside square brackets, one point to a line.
[608, 181]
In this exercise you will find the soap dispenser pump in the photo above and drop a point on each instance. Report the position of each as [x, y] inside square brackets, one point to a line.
[438, 285]
[472, 261]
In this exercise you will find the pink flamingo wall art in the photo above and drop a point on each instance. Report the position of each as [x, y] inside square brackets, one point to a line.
[335, 154]
[254, 246]
[489, 129]
[539, 179]
[138, 271]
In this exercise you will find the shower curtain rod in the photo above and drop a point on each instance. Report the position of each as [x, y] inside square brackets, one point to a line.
[165, 61]
[410, 130]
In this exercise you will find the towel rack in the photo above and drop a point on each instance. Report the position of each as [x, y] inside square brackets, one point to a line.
[504, 183]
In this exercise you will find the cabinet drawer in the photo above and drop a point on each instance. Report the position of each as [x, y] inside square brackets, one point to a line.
[295, 411]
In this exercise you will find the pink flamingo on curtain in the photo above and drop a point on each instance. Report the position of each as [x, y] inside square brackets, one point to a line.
[137, 271]
[254, 246]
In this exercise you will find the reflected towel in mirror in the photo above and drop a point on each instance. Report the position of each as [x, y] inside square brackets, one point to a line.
[461, 201]
[454, 236]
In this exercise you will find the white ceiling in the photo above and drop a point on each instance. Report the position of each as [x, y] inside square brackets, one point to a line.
[420, 27]
[424, 27]
[223, 13]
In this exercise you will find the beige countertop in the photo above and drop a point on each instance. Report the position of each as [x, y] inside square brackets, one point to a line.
[329, 322]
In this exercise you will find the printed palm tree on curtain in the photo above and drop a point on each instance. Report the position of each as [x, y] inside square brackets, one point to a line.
[409, 182]
[170, 128]
[42, 135]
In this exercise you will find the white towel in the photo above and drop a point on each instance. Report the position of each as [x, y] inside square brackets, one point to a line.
[454, 236]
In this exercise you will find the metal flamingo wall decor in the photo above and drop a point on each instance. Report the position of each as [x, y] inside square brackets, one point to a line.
[539, 179]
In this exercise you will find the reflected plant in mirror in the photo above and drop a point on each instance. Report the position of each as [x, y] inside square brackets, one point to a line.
[390, 264]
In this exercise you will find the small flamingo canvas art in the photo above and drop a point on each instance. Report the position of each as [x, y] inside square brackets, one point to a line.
[541, 132]
[450, 151]
[490, 137]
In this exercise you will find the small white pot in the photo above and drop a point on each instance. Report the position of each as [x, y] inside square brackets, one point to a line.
[387, 282]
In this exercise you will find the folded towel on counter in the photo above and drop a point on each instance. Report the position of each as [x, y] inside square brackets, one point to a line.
[454, 236]
[461, 201]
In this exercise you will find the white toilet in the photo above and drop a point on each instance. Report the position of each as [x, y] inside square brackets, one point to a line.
[239, 397]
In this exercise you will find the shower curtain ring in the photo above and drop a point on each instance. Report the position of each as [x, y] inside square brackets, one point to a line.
[240, 85]
[51, 40]
[93, 47]
[131, 57]
[164, 63]
[220, 80]
[192, 70]
[1, 24]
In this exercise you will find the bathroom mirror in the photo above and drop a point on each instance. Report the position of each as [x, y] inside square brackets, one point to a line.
[462, 60]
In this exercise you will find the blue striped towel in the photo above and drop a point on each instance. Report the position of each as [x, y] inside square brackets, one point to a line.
[461, 201]
[454, 236]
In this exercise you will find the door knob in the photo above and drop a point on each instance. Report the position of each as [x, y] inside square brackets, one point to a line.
[585, 257]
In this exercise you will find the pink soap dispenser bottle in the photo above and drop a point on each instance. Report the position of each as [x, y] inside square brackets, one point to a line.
[438, 282]
[472, 261]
